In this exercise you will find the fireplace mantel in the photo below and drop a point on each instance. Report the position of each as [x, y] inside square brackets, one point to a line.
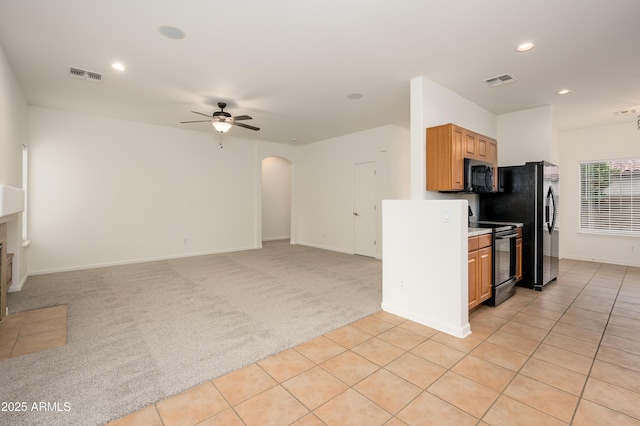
[11, 201]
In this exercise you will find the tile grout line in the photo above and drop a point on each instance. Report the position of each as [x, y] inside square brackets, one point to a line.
[501, 393]
[595, 355]
[15, 343]
[530, 356]
[449, 369]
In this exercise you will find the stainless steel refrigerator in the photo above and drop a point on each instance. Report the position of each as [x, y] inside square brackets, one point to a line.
[529, 194]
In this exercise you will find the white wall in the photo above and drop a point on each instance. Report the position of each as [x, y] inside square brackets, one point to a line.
[433, 105]
[526, 135]
[276, 199]
[435, 293]
[594, 143]
[324, 178]
[106, 191]
[13, 134]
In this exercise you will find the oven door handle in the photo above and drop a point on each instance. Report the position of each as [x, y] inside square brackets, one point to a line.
[506, 236]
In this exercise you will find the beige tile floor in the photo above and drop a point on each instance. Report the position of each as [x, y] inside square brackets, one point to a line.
[22, 333]
[567, 355]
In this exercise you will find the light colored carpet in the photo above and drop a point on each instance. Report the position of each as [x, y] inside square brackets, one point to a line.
[140, 333]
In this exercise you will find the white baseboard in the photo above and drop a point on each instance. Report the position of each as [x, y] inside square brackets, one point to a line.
[14, 288]
[601, 260]
[134, 261]
[461, 331]
[284, 237]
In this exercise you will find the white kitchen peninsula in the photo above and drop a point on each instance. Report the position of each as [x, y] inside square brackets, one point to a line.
[424, 263]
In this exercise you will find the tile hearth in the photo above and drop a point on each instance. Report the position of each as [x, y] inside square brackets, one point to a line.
[23, 333]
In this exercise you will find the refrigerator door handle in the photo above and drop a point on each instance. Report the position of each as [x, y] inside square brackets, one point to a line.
[551, 203]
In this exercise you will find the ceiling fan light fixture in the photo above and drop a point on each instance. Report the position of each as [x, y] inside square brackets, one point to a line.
[221, 126]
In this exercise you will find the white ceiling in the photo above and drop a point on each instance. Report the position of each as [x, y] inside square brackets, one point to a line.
[291, 63]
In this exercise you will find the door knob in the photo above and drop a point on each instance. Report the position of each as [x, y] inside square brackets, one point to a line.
[355, 214]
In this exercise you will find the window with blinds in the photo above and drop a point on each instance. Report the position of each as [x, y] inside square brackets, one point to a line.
[610, 196]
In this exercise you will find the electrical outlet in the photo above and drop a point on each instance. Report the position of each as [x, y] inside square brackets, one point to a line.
[401, 284]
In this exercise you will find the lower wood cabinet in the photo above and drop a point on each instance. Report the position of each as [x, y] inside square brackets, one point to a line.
[519, 255]
[480, 269]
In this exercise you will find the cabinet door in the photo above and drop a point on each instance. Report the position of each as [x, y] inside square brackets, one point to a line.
[445, 151]
[483, 149]
[492, 157]
[518, 259]
[485, 273]
[474, 279]
[457, 155]
[470, 142]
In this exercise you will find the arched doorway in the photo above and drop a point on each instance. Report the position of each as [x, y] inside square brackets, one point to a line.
[276, 199]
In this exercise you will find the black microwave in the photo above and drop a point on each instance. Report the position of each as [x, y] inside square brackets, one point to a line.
[478, 176]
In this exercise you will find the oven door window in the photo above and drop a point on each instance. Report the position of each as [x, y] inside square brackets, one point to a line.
[504, 259]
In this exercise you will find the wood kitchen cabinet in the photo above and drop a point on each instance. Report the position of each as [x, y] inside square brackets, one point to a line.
[519, 255]
[479, 269]
[483, 149]
[492, 157]
[447, 147]
[470, 144]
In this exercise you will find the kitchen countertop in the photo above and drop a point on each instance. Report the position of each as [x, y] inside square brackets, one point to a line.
[474, 232]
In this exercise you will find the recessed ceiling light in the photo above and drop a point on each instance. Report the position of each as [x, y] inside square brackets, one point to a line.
[563, 92]
[354, 96]
[524, 47]
[172, 32]
[118, 66]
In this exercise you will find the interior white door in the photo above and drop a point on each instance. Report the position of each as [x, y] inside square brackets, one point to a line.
[365, 217]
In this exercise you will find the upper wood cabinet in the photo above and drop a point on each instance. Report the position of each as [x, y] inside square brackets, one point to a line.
[447, 147]
[492, 157]
[482, 152]
[470, 144]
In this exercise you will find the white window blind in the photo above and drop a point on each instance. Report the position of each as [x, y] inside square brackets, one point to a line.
[610, 196]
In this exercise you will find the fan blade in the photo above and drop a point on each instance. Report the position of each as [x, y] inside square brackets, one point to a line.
[206, 115]
[197, 121]
[246, 126]
[242, 117]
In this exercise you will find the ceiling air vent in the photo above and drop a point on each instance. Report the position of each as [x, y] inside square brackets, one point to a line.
[628, 111]
[500, 80]
[77, 73]
[85, 75]
[94, 76]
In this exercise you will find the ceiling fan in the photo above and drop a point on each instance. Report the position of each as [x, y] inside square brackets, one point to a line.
[222, 120]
